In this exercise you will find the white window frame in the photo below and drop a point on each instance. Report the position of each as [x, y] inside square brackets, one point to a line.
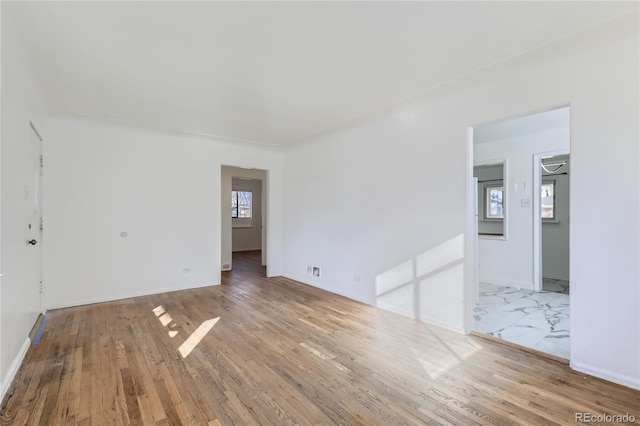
[242, 222]
[487, 202]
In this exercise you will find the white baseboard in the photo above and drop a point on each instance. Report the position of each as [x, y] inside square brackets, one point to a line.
[611, 376]
[123, 296]
[441, 324]
[396, 310]
[423, 318]
[326, 288]
[13, 369]
[389, 308]
[509, 283]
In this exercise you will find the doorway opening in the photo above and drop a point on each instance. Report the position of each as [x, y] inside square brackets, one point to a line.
[554, 221]
[520, 222]
[244, 215]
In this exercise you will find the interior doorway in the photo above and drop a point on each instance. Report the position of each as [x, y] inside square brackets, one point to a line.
[244, 214]
[517, 219]
[554, 220]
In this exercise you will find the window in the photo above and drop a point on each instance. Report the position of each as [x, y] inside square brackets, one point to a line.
[241, 204]
[491, 199]
[548, 200]
[494, 202]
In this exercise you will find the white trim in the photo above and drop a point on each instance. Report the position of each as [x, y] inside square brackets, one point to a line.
[396, 310]
[470, 289]
[527, 285]
[422, 319]
[486, 187]
[13, 369]
[611, 376]
[491, 237]
[537, 224]
[505, 198]
[404, 313]
[333, 290]
[158, 290]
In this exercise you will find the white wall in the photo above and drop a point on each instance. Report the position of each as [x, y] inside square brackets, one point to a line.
[509, 261]
[555, 234]
[162, 190]
[361, 201]
[228, 173]
[21, 103]
[245, 236]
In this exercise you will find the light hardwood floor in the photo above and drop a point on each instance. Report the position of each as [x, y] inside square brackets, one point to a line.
[273, 351]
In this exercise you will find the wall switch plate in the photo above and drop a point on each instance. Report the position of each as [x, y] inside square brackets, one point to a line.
[525, 202]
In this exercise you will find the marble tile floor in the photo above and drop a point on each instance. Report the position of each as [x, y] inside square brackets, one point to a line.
[538, 320]
[553, 284]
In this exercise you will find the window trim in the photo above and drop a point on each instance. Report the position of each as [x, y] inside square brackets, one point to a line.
[487, 204]
[504, 235]
[237, 217]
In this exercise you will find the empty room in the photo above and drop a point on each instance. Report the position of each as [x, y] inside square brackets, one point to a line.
[354, 213]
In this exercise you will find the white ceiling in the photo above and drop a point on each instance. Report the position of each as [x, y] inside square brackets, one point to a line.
[274, 72]
[526, 125]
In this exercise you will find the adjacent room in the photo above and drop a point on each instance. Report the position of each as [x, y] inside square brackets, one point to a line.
[227, 213]
[521, 168]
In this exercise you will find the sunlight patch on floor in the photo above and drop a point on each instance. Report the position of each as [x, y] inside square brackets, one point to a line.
[158, 310]
[165, 319]
[197, 336]
[192, 341]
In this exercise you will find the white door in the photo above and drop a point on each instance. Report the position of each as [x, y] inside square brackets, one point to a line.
[33, 225]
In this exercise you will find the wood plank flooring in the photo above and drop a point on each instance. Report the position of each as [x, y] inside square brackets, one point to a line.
[273, 351]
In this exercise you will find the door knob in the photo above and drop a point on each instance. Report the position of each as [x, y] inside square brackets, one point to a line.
[32, 242]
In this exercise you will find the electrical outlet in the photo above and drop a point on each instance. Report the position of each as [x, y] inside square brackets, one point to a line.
[313, 271]
[186, 270]
[357, 278]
